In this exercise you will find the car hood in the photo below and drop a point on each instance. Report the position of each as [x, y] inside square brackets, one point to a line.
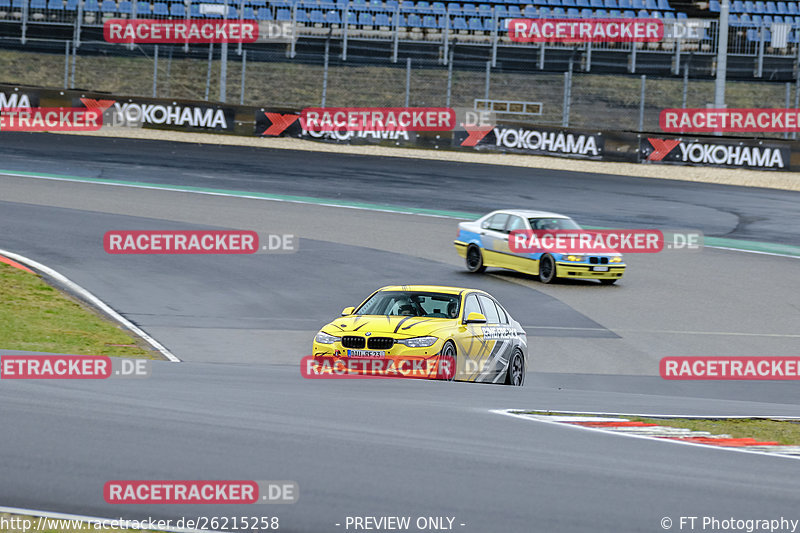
[395, 326]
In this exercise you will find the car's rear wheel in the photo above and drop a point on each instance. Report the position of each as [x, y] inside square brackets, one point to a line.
[446, 369]
[475, 259]
[547, 269]
[515, 375]
[610, 281]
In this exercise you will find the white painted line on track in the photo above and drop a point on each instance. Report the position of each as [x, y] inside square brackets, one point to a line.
[92, 520]
[94, 300]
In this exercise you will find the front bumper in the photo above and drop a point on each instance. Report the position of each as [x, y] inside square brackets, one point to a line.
[399, 361]
[566, 269]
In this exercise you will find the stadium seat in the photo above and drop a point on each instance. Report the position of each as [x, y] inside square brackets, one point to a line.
[414, 21]
[42, 5]
[501, 11]
[513, 11]
[651, 4]
[160, 9]
[625, 4]
[558, 12]
[530, 12]
[628, 14]
[713, 6]
[761, 8]
[669, 15]
[596, 4]
[285, 15]
[611, 4]
[781, 7]
[771, 8]
[91, 6]
[755, 20]
[365, 19]
[792, 8]
[568, 3]
[475, 24]
[544, 12]
[600, 13]
[663, 5]
[573, 13]
[175, 10]
[767, 20]
[391, 5]
[438, 8]
[459, 23]
[638, 4]
[643, 14]
[682, 15]
[586, 13]
[737, 6]
[55, 5]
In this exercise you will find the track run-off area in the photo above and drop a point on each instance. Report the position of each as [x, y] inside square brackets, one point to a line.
[236, 407]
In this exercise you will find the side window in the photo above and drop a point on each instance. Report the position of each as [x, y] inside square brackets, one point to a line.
[498, 222]
[489, 310]
[471, 305]
[502, 312]
[515, 223]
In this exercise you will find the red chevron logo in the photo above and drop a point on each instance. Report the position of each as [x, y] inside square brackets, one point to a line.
[279, 123]
[476, 134]
[661, 147]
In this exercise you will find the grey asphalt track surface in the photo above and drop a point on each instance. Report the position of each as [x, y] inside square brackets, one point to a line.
[237, 408]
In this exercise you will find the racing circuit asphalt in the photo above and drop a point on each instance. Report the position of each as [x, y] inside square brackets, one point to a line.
[237, 408]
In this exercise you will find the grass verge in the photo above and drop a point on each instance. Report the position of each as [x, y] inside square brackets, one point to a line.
[36, 317]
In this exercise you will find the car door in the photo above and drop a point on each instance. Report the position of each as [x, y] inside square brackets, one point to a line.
[520, 261]
[494, 240]
[469, 344]
[498, 340]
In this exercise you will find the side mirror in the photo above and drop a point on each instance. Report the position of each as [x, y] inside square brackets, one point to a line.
[348, 311]
[475, 318]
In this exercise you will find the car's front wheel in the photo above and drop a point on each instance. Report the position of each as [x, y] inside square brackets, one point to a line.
[446, 369]
[547, 269]
[515, 375]
[475, 259]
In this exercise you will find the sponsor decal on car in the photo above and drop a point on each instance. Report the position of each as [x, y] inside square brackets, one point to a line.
[496, 333]
[728, 153]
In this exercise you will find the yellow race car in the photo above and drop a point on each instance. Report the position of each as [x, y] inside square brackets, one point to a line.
[425, 331]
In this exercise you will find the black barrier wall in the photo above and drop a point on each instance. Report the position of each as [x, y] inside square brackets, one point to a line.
[503, 137]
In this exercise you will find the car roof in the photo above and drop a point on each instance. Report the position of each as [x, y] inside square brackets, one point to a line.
[530, 213]
[429, 288]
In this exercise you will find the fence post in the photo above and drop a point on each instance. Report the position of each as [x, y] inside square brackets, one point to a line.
[186, 18]
[797, 90]
[632, 60]
[495, 37]
[74, 60]
[788, 98]
[396, 36]
[344, 31]
[325, 71]
[567, 93]
[24, 21]
[78, 22]
[446, 36]
[241, 19]
[488, 76]
[155, 71]
[294, 30]
[408, 80]
[134, 8]
[450, 75]
[685, 82]
[676, 70]
[588, 65]
[541, 56]
[66, 64]
[760, 63]
[208, 71]
[244, 76]
[722, 55]
[641, 103]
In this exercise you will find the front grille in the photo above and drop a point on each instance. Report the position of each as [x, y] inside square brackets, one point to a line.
[380, 343]
[596, 260]
[350, 341]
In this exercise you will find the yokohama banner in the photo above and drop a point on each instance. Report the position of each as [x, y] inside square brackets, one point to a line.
[733, 153]
[533, 140]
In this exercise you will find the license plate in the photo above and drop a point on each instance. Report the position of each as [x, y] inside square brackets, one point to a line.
[367, 354]
[600, 269]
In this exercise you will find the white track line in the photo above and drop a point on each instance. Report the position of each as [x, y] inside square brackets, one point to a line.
[96, 520]
[94, 300]
[511, 413]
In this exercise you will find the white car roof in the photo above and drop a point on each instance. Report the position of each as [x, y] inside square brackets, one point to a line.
[530, 213]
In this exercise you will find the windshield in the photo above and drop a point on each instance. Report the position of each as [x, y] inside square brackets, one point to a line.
[405, 303]
[553, 223]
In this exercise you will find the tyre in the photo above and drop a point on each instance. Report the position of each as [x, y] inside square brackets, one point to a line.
[515, 375]
[609, 281]
[475, 259]
[446, 368]
[547, 269]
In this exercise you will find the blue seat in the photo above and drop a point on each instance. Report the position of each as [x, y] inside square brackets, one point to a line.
[611, 4]
[781, 7]
[382, 19]
[600, 13]
[643, 14]
[365, 19]
[248, 13]
[176, 10]
[669, 15]
[143, 9]
[332, 17]
[438, 8]
[771, 8]
[544, 12]
[459, 23]
[42, 4]
[755, 20]
[760, 8]
[596, 4]
[530, 12]
[284, 14]
[429, 21]
[569, 3]
[559, 12]
[713, 6]
[501, 11]
[5, 4]
[194, 11]
[161, 9]
[485, 10]
[615, 14]
[414, 21]
[125, 7]
[737, 6]
[72, 5]
[625, 4]
[391, 5]
[582, 3]
[513, 11]
[767, 20]
[792, 8]
[573, 13]
[91, 6]
[301, 15]
[637, 4]
[475, 24]
[663, 5]
[56, 5]
[651, 4]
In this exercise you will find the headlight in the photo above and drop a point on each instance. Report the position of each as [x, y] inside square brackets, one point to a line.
[324, 338]
[615, 259]
[418, 342]
[574, 258]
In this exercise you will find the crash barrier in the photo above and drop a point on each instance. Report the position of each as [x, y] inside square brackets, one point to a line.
[503, 137]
